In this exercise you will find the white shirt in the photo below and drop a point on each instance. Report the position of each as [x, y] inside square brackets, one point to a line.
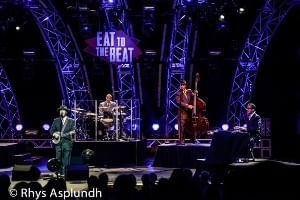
[249, 117]
[63, 120]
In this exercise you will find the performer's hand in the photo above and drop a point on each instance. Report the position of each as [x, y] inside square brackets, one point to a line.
[55, 135]
[190, 107]
[240, 128]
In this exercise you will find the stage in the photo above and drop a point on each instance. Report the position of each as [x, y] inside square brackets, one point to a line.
[180, 156]
[129, 158]
[111, 153]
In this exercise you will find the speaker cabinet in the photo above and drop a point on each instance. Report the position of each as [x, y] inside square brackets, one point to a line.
[25, 173]
[77, 172]
[226, 147]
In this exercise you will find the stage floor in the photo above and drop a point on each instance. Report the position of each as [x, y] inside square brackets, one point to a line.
[137, 171]
[113, 173]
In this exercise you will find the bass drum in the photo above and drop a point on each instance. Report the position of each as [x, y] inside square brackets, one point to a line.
[108, 119]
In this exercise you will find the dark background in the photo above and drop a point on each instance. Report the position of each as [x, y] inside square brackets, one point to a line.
[276, 93]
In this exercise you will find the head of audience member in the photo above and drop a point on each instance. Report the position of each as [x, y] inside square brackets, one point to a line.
[103, 180]
[4, 182]
[92, 182]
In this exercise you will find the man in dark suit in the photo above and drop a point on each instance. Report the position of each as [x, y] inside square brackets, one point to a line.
[253, 122]
[183, 98]
[252, 126]
[62, 131]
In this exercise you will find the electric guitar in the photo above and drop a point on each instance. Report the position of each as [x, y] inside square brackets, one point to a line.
[56, 137]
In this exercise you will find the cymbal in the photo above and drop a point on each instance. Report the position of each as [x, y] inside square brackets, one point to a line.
[77, 110]
[122, 113]
[119, 107]
[90, 114]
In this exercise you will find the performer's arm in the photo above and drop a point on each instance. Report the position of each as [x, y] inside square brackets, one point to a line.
[180, 102]
[241, 128]
[71, 131]
[53, 128]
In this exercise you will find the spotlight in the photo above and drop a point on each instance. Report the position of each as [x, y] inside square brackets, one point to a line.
[18, 28]
[221, 26]
[86, 28]
[176, 127]
[19, 127]
[241, 10]
[46, 127]
[222, 17]
[110, 1]
[225, 127]
[155, 127]
[134, 127]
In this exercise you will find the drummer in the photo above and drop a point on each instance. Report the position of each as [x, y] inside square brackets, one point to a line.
[106, 107]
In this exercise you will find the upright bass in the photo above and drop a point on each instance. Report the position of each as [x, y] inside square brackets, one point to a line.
[197, 125]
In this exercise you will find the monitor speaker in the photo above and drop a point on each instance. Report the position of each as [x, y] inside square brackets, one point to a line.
[77, 172]
[226, 147]
[25, 172]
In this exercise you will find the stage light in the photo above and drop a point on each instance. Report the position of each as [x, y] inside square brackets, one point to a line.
[110, 1]
[46, 127]
[19, 127]
[222, 17]
[241, 10]
[134, 127]
[18, 28]
[189, 2]
[155, 127]
[176, 127]
[225, 127]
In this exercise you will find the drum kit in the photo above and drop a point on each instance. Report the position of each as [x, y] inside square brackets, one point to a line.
[109, 124]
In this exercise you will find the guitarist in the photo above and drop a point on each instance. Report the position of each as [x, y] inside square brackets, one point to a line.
[62, 131]
[183, 98]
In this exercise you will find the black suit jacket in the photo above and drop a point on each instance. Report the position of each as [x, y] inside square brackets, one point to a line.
[66, 135]
[254, 125]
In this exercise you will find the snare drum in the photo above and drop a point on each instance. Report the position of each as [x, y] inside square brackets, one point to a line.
[107, 120]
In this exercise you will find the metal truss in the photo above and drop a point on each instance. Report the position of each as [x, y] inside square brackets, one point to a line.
[154, 143]
[36, 143]
[72, 73]
[70, 68]
[9, 112]
[116, 19]
[176, 64]
[266, 24]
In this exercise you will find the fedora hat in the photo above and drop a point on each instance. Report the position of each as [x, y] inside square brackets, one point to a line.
[183, 82]
[62, 107]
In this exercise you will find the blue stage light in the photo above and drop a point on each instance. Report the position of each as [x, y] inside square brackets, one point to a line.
[46, 127]
[176, 127]
[19, 127]
[225, 127]
[155, 127]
